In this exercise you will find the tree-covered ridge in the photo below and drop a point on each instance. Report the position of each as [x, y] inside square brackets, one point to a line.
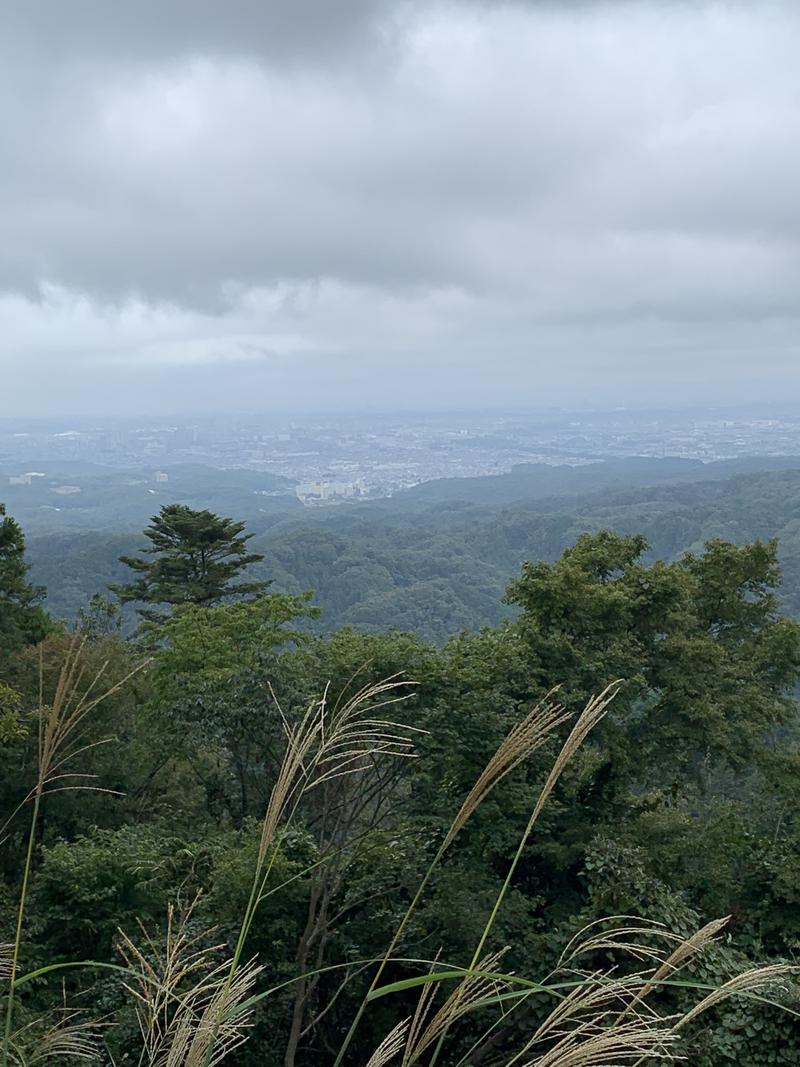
[679, 806]
[445, 567]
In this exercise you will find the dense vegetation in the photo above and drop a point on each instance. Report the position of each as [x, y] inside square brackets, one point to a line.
[434, 563]
[679, 807]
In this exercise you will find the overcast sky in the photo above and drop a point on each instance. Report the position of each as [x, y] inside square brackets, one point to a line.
[307, 204]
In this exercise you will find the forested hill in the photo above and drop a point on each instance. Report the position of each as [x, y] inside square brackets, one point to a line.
[435, 575]
[437, 559]
[527, 482]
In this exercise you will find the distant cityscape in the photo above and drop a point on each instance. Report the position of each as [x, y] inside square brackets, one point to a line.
[330, 459]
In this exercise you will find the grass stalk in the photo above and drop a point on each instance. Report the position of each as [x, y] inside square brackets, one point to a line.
[58, 726]
[588, 719]
[524, 738]
[326, 744]
[23, 897]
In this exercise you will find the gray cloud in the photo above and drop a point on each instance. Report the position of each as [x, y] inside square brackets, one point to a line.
[150, 31]
[307, 203]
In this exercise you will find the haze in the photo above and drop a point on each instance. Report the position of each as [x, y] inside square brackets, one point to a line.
[362, 204]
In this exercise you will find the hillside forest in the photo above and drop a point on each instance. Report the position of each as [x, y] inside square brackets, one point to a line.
[494, 775]
[434, 560]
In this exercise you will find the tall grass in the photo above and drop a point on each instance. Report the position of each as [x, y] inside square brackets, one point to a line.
[59, 726]
[195, 1007]
[185, 1002]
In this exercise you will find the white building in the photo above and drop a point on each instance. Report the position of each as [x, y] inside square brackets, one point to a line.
[24, 479]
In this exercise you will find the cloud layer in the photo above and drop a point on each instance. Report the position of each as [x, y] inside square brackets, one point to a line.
[372, 203]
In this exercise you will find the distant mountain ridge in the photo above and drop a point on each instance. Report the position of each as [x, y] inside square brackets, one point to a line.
[529, 481]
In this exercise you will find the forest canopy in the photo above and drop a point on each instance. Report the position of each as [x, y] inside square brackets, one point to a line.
[430, 563]
[672, 799]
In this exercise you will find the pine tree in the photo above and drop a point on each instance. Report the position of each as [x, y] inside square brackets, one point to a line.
[194, 557]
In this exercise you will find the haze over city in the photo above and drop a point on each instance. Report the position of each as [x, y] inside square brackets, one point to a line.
[389, 204]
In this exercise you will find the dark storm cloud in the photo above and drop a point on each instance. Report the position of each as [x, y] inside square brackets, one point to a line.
[311, 200]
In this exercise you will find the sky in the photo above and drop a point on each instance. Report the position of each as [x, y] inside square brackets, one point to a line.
[289, 205]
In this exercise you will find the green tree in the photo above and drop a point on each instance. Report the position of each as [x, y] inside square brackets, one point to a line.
[193, 558]
[709, 666]
[210, 682]
[23, 621]
[709, 662]
[100, 616]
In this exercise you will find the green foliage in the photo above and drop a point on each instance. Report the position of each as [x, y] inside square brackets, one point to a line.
[100, 616]
[708, 662]
[437, 559]
[621, 882]
[22, 619]
[11, 726]
[89, 887]
[682, 805]
[210, 693]
[196, 557]
[208, 646]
